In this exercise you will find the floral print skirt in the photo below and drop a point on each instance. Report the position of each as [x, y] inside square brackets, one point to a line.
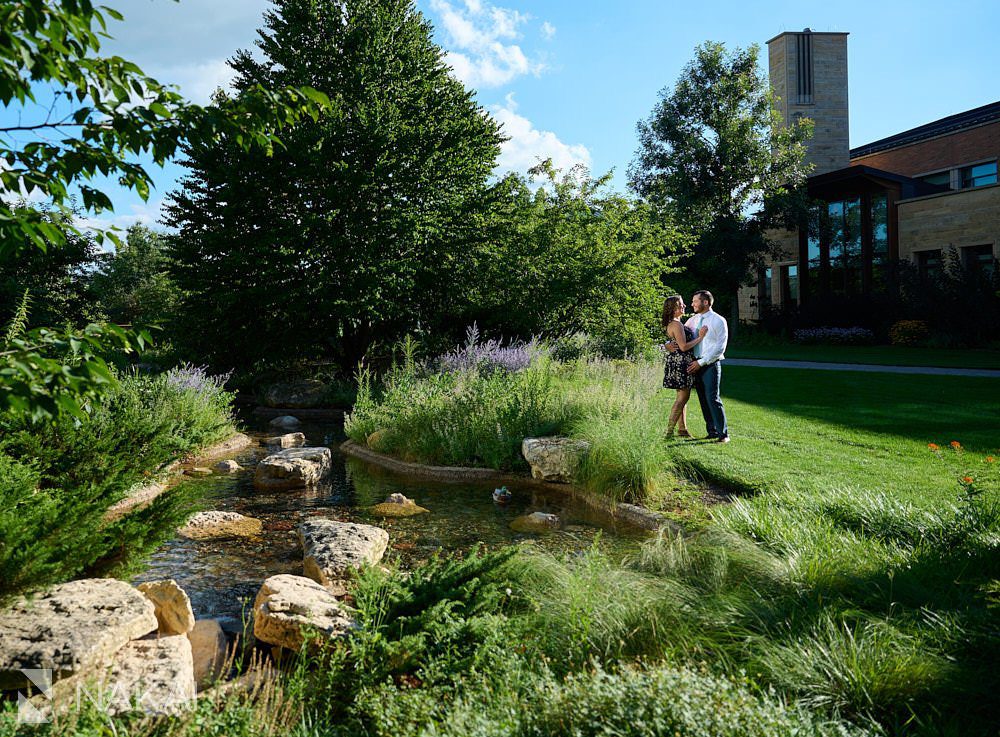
[675, 375]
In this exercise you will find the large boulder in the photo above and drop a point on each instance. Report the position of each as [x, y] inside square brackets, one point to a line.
[296, 394]
[288, 440]
[173, 607]
[286, 604]
[71, 627]
[293, 468]
[554, 459]
[156, 675]
[333, 550]
[208, 650]
[215, 524]
[285, 422]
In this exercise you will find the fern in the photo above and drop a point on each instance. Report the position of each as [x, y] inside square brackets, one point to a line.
[20, 319]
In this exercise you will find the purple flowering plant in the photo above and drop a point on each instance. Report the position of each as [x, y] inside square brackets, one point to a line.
[191, 378]
[489, 356]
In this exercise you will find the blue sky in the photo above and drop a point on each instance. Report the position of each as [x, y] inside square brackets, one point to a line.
[570, 78]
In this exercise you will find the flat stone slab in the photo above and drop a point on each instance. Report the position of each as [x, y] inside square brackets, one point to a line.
[288, 440]
[215, 524]
[173, 607]
[71, 627]
[398, 505]
[333, 550]
[554, 459]
[293, 468]
[286, 604]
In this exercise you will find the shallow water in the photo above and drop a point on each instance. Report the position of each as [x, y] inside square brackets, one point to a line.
[222, 576]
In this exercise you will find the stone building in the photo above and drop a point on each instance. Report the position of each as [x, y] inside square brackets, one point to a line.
[909, 197]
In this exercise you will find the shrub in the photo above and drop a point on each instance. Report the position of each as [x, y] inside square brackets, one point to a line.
[909, 332]
[58, 480]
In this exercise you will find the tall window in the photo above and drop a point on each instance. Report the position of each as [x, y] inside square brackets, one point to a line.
[978, 175]
[929, 264]
[979, 259]
[765, 290]
[804, 68]
[790, 285]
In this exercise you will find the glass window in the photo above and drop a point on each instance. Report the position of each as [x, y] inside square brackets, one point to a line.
[880, 229]
[765, 291]
[929, 264]
[978, 175]
[790, 284]
[979, 259]
[942, 178]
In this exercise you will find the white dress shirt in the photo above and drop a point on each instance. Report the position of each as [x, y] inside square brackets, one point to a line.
[713, 347]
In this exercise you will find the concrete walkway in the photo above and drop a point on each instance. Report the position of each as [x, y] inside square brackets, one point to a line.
[869, 368]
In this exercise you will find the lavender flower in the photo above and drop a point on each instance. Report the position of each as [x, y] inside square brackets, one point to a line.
[489, 356]
[188, 377]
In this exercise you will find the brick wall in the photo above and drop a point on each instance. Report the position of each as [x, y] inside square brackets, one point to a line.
[944, 152]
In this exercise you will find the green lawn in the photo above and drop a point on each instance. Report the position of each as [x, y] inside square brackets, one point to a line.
[820, 430]
[880, 355]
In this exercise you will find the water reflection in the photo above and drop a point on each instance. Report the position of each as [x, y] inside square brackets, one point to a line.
[222, 576]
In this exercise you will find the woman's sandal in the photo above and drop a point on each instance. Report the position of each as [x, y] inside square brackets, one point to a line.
[683, 434]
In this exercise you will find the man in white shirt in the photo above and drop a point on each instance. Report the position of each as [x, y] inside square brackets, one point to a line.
[707, 366]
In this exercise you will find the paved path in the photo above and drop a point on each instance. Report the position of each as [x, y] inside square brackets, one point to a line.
[930, 370]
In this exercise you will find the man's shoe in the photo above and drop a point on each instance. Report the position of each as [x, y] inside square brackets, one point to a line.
[723, 439]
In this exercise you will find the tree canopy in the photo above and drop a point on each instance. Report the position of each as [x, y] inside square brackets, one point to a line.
[715, 154]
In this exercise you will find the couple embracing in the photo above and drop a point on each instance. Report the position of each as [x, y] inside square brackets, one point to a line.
[694, 360]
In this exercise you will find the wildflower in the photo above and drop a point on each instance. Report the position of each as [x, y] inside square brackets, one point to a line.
[990, 459]
[966, 479]
[934, 446]
[956, 445]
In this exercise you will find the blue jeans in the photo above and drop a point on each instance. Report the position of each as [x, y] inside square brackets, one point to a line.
[708, 382]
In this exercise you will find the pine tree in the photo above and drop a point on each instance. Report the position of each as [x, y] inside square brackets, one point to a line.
[358, 229]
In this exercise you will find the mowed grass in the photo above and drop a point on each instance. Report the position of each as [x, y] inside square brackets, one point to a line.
[812, 431]
[881, 355]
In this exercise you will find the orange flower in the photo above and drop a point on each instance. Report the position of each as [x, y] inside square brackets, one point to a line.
[966, 479]
[955, 444]
[934, 446]
[990, 459]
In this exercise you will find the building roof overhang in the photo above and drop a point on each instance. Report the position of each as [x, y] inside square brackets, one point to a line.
[861, 177]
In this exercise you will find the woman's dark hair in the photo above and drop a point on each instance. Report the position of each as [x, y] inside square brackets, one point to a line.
[670, 309]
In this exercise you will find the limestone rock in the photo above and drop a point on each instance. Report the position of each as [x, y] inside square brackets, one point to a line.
[285, 604]
[208, 650]
[158, 675]
[285, 422]
[554, 459]
[216, 524]
[296, 394]
[333, 550]
[71, 627]
[227, 447]
[173, 607]
[535, 522]
[293, 468]
[198, 471]
[288, 440]
[398, 505]
[229, 466]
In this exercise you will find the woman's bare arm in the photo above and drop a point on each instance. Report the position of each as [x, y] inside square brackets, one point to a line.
[676, 331]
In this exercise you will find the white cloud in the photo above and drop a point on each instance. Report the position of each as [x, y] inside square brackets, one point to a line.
[197, 80]
[481, 39]
[144, 213]
[528, 145]
[548, 30]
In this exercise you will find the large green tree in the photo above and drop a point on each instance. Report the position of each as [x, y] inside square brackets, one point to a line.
[133, 285]
[360, 229]
[565, 254]
[715, 154]
[72, 115]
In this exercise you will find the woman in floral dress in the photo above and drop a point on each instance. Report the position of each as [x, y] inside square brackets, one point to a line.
[675, 375]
